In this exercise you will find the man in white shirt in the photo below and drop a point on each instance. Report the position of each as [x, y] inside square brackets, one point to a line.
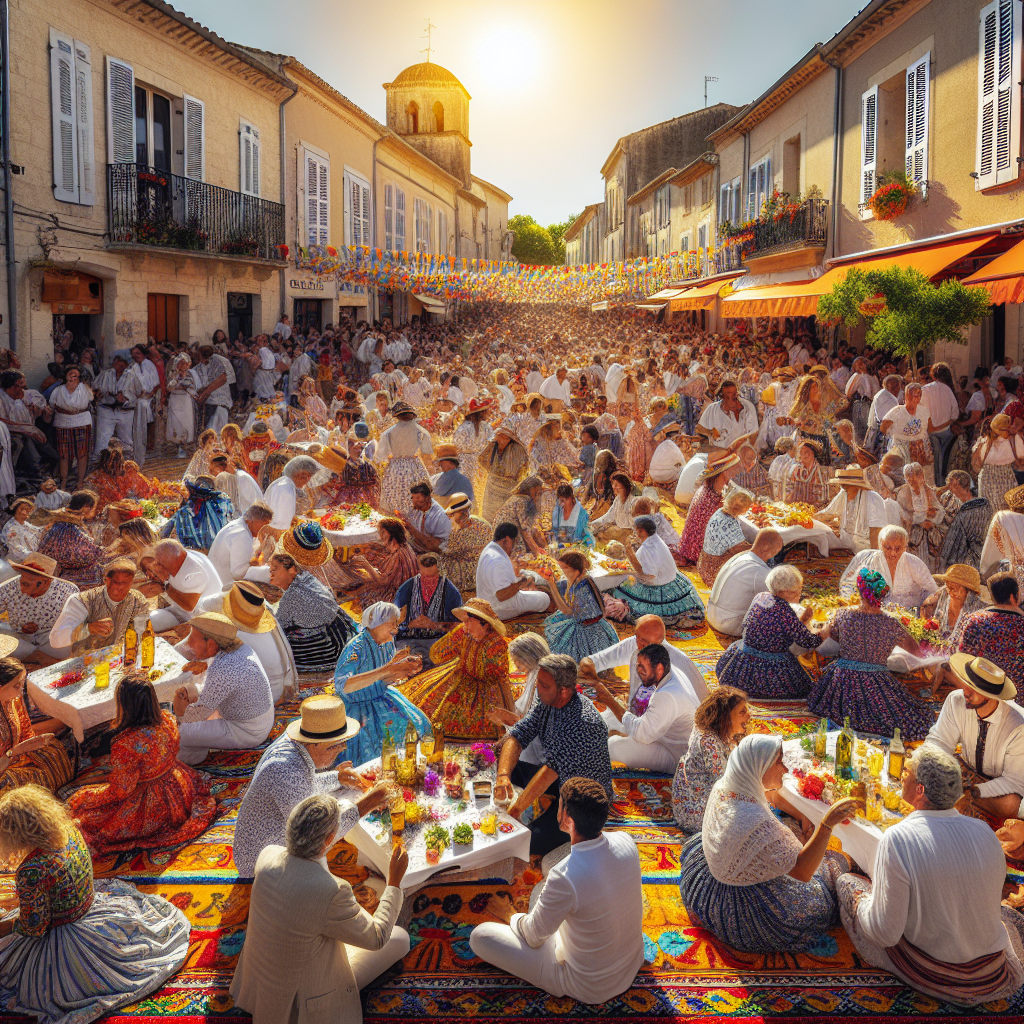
[557, 390]
[266, 371]
[583, 936]
[235, 545]
[281, 495]
[668, 459]
[945, 411]
[881, 405]
[655, 738]
[739, 581]
[113, 416]
[856, 513]
[216, 375]
[799, 354]
[689, 475]
[497, 581]
[612, 379]
[534, 379]
[729, 419]
[282, 328]
[235, 483]
[186, 576]
[427, 522]
[983, 719]
[931, 913]
[149, 381]
[861, 388]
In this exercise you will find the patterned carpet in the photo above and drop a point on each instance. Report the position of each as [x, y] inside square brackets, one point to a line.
[687, 975]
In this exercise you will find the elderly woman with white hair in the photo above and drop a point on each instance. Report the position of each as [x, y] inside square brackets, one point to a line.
[746, 877]
[724, 537]
[761, 663]
[524, 652]
[922, 515]
[909, 579]
[368, 664]
[282, 495]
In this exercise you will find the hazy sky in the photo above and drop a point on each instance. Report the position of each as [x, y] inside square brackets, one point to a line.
[554, 82]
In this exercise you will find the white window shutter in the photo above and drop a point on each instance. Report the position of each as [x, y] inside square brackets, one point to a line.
[63, 117]
[1008, 93]
[120, 112]
[868, 144]
[85, 137]
[323, 201]
[399, 219]
[389, 216]
[366, 211]
[918, 87]
[255, 162]
[248, 159]
[311, 178]
[195, 139]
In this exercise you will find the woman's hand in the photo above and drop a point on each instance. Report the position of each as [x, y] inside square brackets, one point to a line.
[842, 811]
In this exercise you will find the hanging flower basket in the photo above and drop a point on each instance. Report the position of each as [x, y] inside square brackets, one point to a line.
[873, 305]
[890, 200]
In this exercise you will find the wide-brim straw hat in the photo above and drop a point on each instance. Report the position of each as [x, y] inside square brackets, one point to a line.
[446, 451]
[333, 458]
[215, 626]
[40, 565]
[307, 544]
[983, 676]
[245, 605]
[966, 575]
[322, 718]
[458, 502]
[480, 609]
[1015, 498]
[8, 645]
[850, 478]
[718, 462]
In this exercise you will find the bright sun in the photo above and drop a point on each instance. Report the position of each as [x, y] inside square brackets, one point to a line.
[511, 51]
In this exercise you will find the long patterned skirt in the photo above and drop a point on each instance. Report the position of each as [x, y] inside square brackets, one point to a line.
[49, 767]
[497, 490]
[317, 648]
[459, 700]
[782, 914]
[708, 566]
[677, 603]
[401, 473]
[376, 707]
[566, 634]
[764, 675]
[994, 482]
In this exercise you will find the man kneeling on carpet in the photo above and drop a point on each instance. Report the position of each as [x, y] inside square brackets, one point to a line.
[309, 946]
[583, 936]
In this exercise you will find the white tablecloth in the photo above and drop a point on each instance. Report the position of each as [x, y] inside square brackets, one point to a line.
[819, 534]
[82, 706]
[355, 533]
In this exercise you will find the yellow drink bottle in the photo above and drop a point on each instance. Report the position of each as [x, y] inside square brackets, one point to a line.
[148, 645]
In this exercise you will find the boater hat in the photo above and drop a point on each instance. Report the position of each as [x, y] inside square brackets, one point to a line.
[983, 676]
[322, 719]
[41, 565]
[245, 605]
[446, 451]
[850, 478]
[482, 610]
[334, 458]
[458, 502]
[718, 462]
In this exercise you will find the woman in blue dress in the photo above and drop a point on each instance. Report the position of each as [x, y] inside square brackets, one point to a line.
[761, 663]
[367, 664]
[570, 521]
[579, 627]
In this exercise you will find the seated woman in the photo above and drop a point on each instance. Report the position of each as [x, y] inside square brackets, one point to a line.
[745, 877]
[922, 515]
[660, 588]
[523, 509]
[761, 663]
[471, 678]
[960, 596]
[617, 522]
[199, 465]
[116, 477]
[18, 534]
[666, 531]
[316, 627]
[549, 447]
[108, 943]
[601, 495]
[28, 754]
[858, 684]
[367, 665]
[570, 523]
[524, 653]
[204, 512]
[968, 518]
[723, 537]
[152, 801]
[807, 481]
[461, 551]
[719, 723]
[68, 543]
[706, 502]
[750, 474]
[389, 564]
[907, 577]
[578, 628]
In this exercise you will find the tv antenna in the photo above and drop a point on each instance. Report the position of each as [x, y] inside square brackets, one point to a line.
[428, 48]
[707, 78]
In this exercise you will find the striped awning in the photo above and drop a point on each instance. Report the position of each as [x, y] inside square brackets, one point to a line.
[1003, 277]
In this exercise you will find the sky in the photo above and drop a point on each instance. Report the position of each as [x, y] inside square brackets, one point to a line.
[554, 83]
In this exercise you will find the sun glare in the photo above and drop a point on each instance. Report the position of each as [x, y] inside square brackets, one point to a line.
[512, 51]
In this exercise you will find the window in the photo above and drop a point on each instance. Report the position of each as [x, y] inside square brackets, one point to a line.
[684, 242]
[759, 186]
[74, 146]
[688, 198]
[412, 119]
[442, 232]
[662, 206]
[999, 98]
[399, 219]
[791, 166]
[438, 118]
[729, 203]
[705, 190]
[152, 130]
[389, 216]
[424, 215]
[317, 179]
[916, 150]
[357, 210]
[195, 143]
[249, 158]
[702, 236]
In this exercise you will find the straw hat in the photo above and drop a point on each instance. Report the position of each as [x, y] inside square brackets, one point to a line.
[321, 719]
[787, 373]
[403, 409]
[983, 676]
[863, 455]
[718, 462]
[14, 505]
[8, 644]
[482, 610]
[1015, 499]
[40, 565]
[245, 606]
[334, 458]
[850, 478]
[966, 575]
[307, 544]
[214, 626]
[446, 451]
[458, 502]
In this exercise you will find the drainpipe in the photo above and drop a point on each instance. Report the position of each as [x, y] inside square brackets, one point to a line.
[5, 127]
[837, 118]
[283, 172]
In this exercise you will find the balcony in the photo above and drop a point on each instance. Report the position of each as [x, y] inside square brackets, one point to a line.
[168, 212]
[789, 237]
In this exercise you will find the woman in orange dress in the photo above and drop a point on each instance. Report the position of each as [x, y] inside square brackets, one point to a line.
[471, 677]
[116, 477]
[152, 800]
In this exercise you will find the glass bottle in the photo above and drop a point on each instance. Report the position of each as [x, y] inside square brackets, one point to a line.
[821, 740]
[131, 646]
[388, 755]
[897, 756]
[411, 736]
[844, 749]
[397, 810]
[437, 754]
[148, 645]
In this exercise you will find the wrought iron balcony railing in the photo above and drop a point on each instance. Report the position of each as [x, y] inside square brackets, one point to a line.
[791, 228]
[151, 207]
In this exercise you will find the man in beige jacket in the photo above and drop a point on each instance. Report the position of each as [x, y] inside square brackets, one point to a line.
[309, 946]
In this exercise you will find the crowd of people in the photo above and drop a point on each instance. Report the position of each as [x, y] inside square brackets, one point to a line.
[481, 449]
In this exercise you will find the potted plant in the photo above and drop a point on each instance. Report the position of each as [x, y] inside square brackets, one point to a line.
[463, 834]
[436, 839]
[892, 196]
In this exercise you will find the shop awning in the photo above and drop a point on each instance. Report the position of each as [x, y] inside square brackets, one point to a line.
[1003, 277]
[432, 305]
[800, 298]
[651, 307]
[702, 297]
[665, 295]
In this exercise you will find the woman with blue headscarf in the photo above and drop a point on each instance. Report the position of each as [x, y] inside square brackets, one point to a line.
[201, 516]
[367, 665]
[746, 877]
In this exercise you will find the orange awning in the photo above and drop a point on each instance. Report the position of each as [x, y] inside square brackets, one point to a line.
[702, 297]
[1003, 277]
[800, 298]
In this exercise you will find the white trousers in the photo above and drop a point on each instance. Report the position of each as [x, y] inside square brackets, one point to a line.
[217, 420]
[111, 422]
[523, 603]
[498, 944]
[199, 738]
[655, 757]
[25, 648]
[168, 618]
[368, 964]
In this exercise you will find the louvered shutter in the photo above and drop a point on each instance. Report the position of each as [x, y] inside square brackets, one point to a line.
[918, 76]
[399, 219]
[868, 144]
[318, 199]
[999, 110]
[366, 212]
[85, 136]
[195, 141]
[63, 117]
[249, 159]
[389, 216]
[752, 210]
[355, 192]
[120, 112]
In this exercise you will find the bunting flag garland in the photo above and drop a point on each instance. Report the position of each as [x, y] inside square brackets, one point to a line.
[448, 278]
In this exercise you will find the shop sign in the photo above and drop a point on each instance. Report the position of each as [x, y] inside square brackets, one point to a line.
[301, 285]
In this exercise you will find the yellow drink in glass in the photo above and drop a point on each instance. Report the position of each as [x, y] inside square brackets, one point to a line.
[102, 673]
[427, 745]
[489, 822]
[875, 758]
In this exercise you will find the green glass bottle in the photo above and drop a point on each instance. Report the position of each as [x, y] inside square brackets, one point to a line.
[844, 750]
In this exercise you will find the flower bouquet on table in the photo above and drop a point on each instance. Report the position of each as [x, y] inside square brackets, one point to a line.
[463, 834]
[437, 839]
[926, 631]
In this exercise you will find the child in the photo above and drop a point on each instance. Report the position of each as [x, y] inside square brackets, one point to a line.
[50, 498]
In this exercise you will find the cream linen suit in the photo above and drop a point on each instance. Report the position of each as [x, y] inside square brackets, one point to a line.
[295, 966]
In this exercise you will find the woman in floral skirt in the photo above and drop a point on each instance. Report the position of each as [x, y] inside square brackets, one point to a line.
[579, 627]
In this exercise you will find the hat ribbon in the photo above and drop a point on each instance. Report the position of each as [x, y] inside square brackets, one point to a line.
[325, 735]
[981, 683]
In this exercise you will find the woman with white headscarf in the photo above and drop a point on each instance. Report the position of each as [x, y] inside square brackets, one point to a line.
[746, 878]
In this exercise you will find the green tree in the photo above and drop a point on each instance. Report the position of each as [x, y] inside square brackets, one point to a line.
[532, 243]
[905, 311]
[557, 233]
